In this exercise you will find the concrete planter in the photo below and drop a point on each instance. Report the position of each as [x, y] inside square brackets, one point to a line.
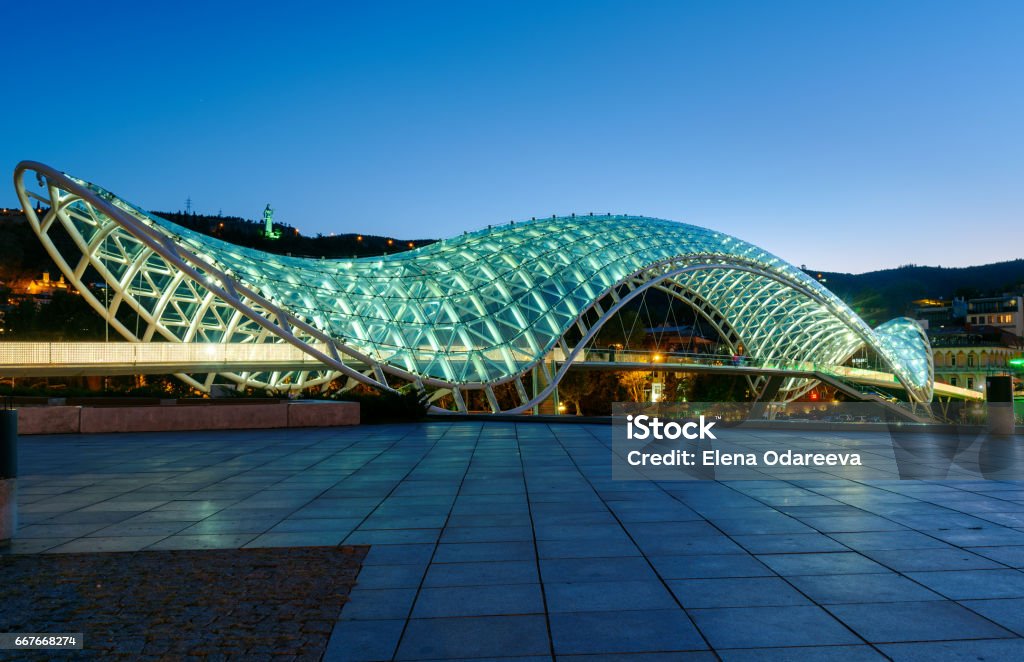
[166, 418]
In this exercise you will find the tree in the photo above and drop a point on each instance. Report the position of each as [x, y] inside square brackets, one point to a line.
[677, 386]
[573, 388]
[635, 382]
[20, 320]
[718, 388]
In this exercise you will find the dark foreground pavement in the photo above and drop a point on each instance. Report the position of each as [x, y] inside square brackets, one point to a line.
[511, 540]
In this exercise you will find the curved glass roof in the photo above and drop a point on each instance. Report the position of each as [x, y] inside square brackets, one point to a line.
[486, 306]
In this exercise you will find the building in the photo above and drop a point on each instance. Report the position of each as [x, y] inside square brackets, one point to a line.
[475, 317]
[939, 313]
[37, 290]
[1005, 312]
[687, 338]
[965, 356]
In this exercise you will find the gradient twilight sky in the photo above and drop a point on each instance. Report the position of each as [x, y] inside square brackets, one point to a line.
[845, 135]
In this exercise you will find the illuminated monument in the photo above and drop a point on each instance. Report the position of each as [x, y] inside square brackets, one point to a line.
[268, 224]
[479, 312]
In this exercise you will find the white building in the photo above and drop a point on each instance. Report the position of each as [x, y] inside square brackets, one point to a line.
[1005, 312]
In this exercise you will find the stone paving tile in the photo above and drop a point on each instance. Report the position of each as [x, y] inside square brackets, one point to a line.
[392, 536]
[483, 551]
[1009, 613]
[379, 521]
[298, 539]
[481, 573]
[852, 524]
[973, 584]
[624, 632]
[995, 536]
[839, 589]
[164, 528]
[915, 621]
[956, 651]
[497, 636]
[490, 600]
[787, 543]
[766, 524]
[249, 525]
[768, 627]
[817, 564]
[735, 592]
[606, 596]
[804, 653]
[117, 544]
[32, 545]
[676, 656]
[364, 641]
[927, 560]
[885, 540]
[698, 567]
[488, 534]
[399, 554]
[1015, 519]
[378, 604]
[204, 541]
[582, 549]
[1012, 556]
[392, 576]
[459, 521]
[325, 524]
[58, 530]
[621, 568]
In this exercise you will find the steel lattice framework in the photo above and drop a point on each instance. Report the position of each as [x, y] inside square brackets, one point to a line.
[475, 312]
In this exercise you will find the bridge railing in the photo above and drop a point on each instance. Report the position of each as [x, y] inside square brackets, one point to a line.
[655, 358]
[28, 354]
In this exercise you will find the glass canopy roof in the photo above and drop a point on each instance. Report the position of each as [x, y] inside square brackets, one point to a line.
[475, 310]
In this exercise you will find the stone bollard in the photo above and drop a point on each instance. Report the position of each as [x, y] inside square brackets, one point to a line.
[999, 395]
[8, 474]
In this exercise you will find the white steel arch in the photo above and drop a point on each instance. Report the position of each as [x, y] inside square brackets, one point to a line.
[470, 313]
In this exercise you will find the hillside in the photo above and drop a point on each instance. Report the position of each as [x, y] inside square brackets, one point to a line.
[877, 296]
[882, 295]
[22, 256]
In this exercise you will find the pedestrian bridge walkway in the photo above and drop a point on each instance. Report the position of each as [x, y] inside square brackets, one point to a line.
[709, 363]
[72, 359]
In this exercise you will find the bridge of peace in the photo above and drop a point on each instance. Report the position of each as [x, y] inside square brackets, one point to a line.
[493, 538]
[504, 310]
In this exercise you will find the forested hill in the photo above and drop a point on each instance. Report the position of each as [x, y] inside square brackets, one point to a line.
[882, 295]
[22, 256]
[877, 296]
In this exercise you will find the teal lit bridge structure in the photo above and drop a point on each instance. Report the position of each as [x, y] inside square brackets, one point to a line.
[483, 312]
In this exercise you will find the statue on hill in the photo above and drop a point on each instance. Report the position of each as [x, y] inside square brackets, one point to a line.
[268, 224]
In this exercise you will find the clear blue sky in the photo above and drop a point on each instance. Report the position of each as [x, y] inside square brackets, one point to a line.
[845, 135]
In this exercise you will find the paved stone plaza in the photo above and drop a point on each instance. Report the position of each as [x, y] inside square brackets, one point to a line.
[511, 540]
